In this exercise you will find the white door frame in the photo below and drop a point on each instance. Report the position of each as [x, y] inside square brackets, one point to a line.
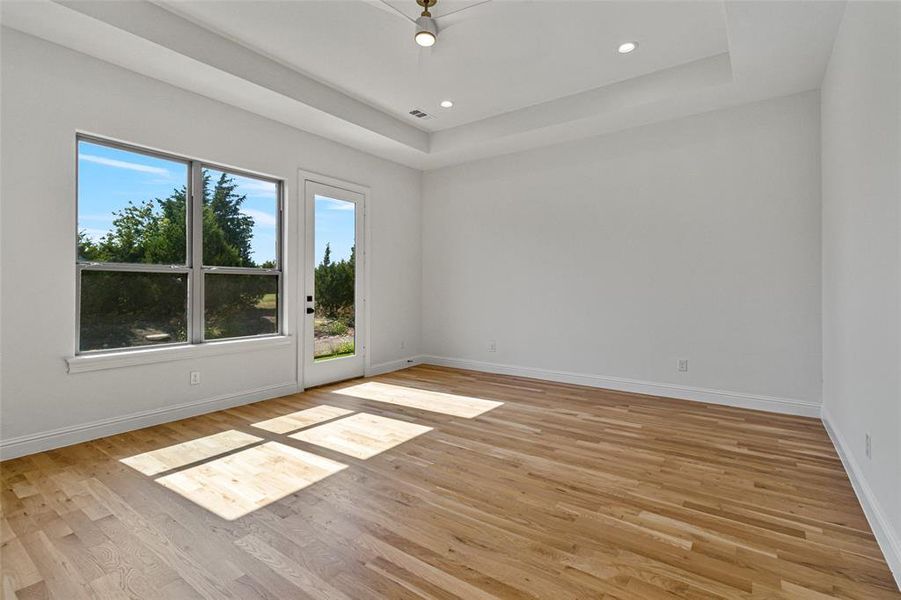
[304, 324]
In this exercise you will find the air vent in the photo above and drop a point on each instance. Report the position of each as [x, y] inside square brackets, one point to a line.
[419, 114]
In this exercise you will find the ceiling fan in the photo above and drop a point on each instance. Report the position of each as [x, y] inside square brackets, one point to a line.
[426, 29]
[427, 26]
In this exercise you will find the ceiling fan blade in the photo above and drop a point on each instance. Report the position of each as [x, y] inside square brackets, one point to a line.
[464, 14]
[390, 9]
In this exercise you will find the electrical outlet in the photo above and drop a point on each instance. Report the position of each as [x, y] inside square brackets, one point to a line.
[683, 365]
[869, 447]
[492, 346]
[195, 377]
[403, 344]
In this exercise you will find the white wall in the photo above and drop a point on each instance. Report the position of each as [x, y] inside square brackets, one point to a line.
[50, 92]
[861, 135]
[617, 255]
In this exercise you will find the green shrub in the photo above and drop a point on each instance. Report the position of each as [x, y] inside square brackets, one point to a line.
[336, 328]
[345, 347]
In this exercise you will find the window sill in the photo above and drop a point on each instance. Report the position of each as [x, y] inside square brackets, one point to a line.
[132, 358]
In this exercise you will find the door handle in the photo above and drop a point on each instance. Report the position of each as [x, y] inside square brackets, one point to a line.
[310, 311]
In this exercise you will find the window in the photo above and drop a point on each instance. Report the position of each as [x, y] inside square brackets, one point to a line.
[173, 251]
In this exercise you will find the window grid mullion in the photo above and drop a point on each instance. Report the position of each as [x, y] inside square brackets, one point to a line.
[196, 245]
[132, 267]
[240, 271]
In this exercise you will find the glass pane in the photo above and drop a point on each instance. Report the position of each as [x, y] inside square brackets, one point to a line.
[122, 310]
[131, 207]
[333, 323]
[240, 220]
[240, 305]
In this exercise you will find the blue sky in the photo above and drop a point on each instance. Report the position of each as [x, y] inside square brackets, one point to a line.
[262, 205]
[335, 225]
[108, 178]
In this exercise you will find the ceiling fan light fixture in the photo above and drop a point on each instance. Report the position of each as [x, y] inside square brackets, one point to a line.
[426, 31]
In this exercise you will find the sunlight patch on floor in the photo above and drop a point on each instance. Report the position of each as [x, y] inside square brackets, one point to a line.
[302, 418]
[176, 456]
[240, 483]
[441, 402]
[361, 435]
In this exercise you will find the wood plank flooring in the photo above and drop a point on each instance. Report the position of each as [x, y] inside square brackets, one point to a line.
[509, 488]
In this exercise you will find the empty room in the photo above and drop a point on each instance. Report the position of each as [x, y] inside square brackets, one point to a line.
[466, 299]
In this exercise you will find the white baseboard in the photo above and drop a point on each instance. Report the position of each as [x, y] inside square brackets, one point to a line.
[889, 540]
[65, 436]
[393, 365]
[804, 408]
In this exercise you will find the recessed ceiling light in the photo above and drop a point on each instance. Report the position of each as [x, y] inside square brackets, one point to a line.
[627, 47]
[447, 104]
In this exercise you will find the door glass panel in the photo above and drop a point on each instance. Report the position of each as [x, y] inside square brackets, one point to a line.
[334, 280]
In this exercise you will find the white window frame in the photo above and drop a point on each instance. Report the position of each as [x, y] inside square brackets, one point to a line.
[193, 268]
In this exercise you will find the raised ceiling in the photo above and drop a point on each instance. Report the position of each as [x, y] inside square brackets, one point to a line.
[521, 73]
[490, 58]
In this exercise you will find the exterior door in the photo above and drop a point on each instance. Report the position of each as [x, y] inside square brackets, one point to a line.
[333, 301]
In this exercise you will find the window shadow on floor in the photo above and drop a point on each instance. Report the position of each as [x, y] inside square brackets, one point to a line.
[233, 473]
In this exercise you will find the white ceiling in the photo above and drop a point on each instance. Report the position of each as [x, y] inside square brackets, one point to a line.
[521, 73]
[490, 58]
[446, 7]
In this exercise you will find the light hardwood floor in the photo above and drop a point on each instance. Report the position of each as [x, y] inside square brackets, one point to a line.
[515, 488]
